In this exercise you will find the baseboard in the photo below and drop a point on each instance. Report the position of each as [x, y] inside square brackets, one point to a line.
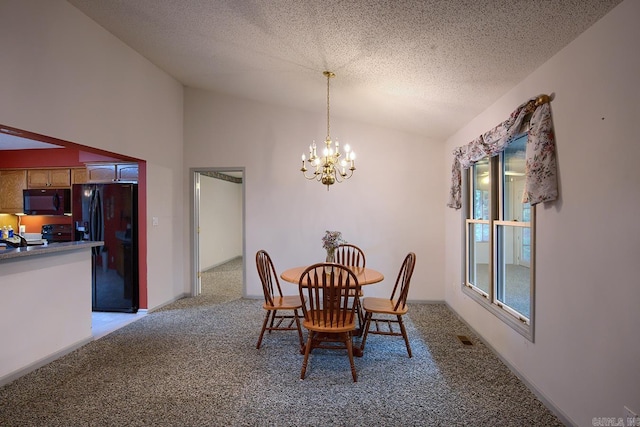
[539, 394]
[40, 363]
[158, 307]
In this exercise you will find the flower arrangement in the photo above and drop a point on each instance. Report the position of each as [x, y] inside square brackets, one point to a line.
[331, 240]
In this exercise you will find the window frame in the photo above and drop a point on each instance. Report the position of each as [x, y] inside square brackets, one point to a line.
[510, 316]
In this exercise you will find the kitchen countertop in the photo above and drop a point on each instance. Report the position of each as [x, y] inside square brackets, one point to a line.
[9, 253]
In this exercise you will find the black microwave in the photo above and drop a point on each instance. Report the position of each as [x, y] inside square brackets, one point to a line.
[47, 201]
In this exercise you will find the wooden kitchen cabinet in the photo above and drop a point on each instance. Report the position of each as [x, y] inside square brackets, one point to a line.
[48, 178]
[79, 176]
[127, 172]
[112, 172]
[12, 182]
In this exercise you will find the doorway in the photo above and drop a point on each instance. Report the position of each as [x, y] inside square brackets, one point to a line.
[218, 221]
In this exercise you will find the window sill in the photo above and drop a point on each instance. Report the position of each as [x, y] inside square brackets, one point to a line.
[524, 329]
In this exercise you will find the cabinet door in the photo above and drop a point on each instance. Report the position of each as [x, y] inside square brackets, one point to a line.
[37, 178]
[127, 172]
[60, 178]
[48, 178]
[79, 176]
[12, 182]
[101, 173]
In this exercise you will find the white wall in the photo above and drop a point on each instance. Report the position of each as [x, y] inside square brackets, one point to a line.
[64, 76]
[391, 206]
[586, 351]
[220, 221]
[45, 308]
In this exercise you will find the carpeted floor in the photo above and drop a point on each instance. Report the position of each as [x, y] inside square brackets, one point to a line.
[194, 363]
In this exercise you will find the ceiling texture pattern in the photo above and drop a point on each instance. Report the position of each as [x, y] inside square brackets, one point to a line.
[425, 67]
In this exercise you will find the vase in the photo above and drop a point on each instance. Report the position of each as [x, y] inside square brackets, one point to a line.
[331, 257]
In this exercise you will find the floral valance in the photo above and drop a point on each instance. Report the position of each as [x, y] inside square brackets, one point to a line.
[541, 183]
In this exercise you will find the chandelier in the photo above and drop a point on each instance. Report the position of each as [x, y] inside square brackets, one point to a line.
[329, 167]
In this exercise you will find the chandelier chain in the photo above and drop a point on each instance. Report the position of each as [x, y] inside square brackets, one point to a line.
[328, 132]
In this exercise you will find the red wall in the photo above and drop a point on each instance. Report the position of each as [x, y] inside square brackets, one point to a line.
[50, 158]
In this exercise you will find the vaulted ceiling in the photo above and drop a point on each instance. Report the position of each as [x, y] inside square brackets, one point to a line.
[426, 67]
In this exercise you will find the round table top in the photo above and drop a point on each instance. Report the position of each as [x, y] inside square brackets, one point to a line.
[366, 276]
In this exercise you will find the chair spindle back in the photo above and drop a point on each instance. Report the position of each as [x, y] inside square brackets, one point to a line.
[268, 277]
[326, 286]
[401, 288]
[350, 255]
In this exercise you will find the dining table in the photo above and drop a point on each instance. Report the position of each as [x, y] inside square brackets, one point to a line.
[365, 276]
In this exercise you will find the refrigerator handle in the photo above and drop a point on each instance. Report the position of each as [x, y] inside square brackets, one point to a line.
[91, 210]
[95, 218]
[98, 216]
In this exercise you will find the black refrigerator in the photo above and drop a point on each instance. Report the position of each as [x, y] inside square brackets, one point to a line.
[109, 213]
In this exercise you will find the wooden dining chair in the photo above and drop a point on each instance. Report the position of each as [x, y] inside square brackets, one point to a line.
[381, 310]
[276, 302]
[352, 256]
[328, 317]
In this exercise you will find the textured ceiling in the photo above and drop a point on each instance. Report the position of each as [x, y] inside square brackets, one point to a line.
[426, 67]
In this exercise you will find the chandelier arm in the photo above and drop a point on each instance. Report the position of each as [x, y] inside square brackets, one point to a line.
[338, 175]
[314, 176]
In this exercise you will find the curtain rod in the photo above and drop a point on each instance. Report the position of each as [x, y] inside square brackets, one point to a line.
[543, 99]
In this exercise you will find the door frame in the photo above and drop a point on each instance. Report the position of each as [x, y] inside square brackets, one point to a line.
[195, 175]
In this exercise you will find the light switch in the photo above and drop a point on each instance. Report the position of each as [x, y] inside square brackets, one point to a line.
[154, 221]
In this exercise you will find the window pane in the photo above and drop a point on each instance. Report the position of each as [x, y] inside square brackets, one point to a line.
[513, 159]
[478, 260]
[513, 278]
[480, 182]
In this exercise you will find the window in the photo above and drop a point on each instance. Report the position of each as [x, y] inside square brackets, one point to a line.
[499, 237]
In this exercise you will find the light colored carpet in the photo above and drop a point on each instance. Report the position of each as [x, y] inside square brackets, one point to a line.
[219, 285]
[194, 363]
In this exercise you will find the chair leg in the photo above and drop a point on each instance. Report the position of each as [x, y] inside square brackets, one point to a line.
[404, 334]
[273, 318]
[307, 350]
[356, 301]
[264, 327]
[349, 346]
[367, 321]
[295, 315]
